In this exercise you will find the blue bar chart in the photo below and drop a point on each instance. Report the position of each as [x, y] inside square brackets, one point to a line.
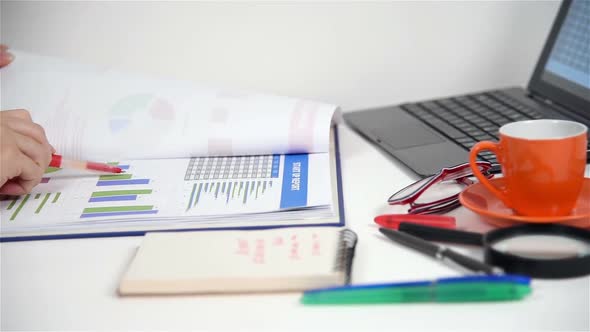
[125, 190]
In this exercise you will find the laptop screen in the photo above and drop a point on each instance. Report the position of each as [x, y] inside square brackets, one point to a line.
[569, 61]
[567, 65]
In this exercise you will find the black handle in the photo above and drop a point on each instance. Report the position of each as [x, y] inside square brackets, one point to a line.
[469, 263]
[410, 241]
[436, 251]
[431, 233]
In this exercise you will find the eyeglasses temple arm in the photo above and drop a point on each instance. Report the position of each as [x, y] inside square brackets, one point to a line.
[431, 233]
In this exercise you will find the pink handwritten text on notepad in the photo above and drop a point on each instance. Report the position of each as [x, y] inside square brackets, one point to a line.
[315, 245]
[294, 251]
[243, 248]
[278, 241]
[294, 247]
[259, 252]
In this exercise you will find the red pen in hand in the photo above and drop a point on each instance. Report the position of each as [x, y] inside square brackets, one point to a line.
[60, 162]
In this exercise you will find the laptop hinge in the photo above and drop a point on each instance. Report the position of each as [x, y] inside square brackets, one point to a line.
[551, 104]
[540, 98]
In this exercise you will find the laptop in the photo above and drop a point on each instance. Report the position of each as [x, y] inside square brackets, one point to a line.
[429, 135]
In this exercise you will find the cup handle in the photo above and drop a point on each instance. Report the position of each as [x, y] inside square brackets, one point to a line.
[495, 148]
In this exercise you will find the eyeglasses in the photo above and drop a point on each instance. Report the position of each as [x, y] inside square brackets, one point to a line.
[444, 186]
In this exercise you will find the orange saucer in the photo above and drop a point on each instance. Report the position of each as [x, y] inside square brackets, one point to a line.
[479, 200]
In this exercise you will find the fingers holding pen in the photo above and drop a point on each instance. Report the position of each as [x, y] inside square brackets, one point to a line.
[30, 176]
[19, 171]
[25, 152]
[37, 152]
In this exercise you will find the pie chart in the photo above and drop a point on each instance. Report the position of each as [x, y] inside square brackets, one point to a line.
[127, 110]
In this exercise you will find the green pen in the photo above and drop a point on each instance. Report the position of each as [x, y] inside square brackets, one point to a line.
[461, 289]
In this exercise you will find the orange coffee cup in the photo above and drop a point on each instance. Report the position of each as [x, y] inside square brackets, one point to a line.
[543, 163]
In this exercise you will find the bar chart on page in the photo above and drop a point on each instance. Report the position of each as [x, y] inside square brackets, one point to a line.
[74, 198]
[283, 188]
[228, 191]
[124, 179]
[120, 195]
[35, 203]
[38, 203]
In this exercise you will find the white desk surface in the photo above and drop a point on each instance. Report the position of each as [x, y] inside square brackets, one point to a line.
[353, 54]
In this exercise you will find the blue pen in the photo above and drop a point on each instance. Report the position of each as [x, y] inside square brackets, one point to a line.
[456, 289]
[505, 278]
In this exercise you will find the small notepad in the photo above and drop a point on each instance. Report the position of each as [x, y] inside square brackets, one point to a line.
[286, 259]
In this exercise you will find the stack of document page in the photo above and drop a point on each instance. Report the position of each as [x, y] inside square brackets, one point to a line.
[193, 157]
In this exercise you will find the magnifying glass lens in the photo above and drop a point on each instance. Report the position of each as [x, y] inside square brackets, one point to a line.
[543, 246]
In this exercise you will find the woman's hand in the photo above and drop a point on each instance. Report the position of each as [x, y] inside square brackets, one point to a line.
[25, 152]
[5, 56]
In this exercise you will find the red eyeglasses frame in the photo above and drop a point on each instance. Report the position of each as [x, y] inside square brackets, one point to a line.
[460, 173]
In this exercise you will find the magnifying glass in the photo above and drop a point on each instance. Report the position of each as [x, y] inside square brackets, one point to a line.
[539, 251]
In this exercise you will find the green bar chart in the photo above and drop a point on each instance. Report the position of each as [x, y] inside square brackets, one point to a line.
[37, 201]
[242, 191]
[125, 190]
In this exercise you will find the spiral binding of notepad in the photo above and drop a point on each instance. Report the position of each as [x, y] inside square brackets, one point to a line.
[347, 246]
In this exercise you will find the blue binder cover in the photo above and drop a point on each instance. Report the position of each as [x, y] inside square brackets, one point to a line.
[340, 222]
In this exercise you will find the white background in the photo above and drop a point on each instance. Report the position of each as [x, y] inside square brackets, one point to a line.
[352, 54]
[357, 55]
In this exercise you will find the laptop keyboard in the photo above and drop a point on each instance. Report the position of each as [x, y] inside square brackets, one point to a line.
[469, 119]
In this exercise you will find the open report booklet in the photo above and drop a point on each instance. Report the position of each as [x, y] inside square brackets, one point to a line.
[194, 157]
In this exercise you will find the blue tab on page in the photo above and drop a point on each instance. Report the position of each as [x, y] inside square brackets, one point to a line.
[294, 192]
